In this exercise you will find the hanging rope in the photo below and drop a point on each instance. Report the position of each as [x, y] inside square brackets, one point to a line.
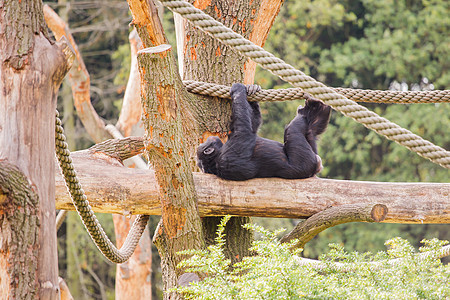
[298, 79]
[91, 223]
[275, 95]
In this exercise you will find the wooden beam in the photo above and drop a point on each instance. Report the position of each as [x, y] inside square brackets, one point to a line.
[112, 188]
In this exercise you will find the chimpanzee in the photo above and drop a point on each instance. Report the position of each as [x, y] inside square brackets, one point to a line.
[246, 155]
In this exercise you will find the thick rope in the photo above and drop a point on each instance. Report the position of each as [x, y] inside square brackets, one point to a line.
[85, 212]
[407, 97]
[275, 95]
[298, 79]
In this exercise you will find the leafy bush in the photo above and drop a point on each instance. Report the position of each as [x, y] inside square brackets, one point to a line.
[274, 272]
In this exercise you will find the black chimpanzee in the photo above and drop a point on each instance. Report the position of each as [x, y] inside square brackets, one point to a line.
[246, 155]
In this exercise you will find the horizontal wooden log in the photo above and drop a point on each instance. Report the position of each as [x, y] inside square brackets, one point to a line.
[112, 188]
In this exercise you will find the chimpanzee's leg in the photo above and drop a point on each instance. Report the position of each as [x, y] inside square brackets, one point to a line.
[242, 112]
[317, 116]
[303, 161]
[235, 160]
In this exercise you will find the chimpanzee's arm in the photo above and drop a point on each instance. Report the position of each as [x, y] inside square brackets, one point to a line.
[241, 118]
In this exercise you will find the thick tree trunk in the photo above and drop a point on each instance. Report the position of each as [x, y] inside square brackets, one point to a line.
[166, 131]
[203, 58]
[31, 70]
[170, 128]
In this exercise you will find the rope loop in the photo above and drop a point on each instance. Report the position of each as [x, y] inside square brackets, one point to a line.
[84, 210]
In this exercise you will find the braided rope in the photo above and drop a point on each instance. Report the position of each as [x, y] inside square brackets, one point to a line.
[275, 95]
[298, 79]
[84, 210]
[408, 97]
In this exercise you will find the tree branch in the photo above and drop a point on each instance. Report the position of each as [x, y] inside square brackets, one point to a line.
[129, 122]
[79, 80]
[333, 216]
[120, 149]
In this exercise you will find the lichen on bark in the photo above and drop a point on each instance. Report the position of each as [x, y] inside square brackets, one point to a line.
[19, 225]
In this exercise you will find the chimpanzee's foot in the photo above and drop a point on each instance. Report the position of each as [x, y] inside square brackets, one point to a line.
[319, 164]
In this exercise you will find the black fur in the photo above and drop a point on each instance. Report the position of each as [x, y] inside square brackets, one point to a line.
[246, 155]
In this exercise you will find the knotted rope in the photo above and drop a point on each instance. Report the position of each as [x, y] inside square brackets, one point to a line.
[275, 95]
[91, 223]
[319, 90]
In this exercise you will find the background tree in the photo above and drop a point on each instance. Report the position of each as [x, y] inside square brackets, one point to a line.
[85, 271]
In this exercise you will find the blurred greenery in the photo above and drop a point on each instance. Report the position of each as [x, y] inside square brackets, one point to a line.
[373, 44]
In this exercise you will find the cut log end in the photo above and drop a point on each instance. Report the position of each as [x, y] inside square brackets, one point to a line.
[379, 212]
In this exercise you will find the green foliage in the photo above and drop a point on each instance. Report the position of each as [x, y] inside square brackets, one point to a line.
[403, 40]
[350, 151]
[274, 273]
[302, 29]
[364, 237]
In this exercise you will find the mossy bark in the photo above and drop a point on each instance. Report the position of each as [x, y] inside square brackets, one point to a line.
[19, 228]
